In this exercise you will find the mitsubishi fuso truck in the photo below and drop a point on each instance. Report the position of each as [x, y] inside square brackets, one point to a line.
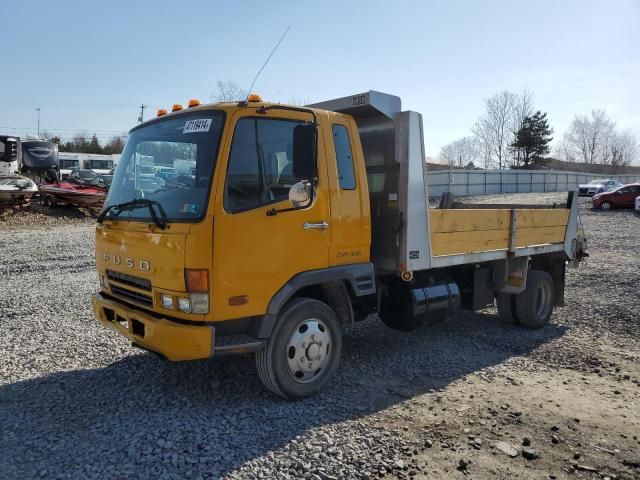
[292, 223]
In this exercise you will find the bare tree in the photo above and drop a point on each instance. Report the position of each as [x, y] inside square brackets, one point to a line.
[589, 138]
[623, 149]
[494, 129]
[522, 108]
[228, 92]
[466, 152]
[115, 144]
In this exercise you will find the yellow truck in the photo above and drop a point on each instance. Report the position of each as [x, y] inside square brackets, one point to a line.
[283, 225]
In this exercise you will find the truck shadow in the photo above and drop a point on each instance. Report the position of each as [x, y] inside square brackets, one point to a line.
[216, 416]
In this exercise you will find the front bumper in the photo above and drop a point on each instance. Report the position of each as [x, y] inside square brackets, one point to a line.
[173, 340]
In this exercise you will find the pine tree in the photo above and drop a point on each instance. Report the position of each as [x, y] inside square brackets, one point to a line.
[94, 145]
[533, 138]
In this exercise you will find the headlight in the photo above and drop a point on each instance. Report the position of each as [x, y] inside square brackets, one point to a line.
[184, 304]
[167, 301]
[200, 302]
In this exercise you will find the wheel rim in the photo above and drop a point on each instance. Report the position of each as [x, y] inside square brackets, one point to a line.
[543, 300]
[308, 350]
[606, 206]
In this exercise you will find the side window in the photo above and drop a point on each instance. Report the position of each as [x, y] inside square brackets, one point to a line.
[344, 157]
[260, 169]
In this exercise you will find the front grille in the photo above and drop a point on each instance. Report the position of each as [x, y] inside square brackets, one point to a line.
[125, 279]
[131, 296]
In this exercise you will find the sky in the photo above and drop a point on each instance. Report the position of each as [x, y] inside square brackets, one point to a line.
[89, 65]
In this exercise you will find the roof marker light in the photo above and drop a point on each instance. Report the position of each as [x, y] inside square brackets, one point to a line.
[161, 111]
[194, 102]
[176, 107]
[254, 97]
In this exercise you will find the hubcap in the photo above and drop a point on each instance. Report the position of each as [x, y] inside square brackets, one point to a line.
[308, 350]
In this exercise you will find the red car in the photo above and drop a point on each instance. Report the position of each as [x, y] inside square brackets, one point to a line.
[621, 197]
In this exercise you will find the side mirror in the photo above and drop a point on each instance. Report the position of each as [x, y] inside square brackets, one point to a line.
[304, 151]
[300, 194]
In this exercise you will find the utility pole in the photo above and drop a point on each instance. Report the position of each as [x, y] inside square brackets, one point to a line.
[141, 117]
[38, 110]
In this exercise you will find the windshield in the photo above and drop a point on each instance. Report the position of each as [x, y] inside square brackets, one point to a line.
[88, 174]
[69, 164]
[188, 145]
[100, 164]
[595, 182]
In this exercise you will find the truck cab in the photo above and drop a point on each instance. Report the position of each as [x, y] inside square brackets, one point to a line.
[291, 224]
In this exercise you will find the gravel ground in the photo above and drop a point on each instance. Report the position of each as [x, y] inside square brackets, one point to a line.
[468, 397]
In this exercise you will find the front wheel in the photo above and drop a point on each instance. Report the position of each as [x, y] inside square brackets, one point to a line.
[534, 306]
[303, 352]
[605, 206]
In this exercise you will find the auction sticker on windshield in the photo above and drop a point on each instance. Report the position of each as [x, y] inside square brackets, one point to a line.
[195, 126]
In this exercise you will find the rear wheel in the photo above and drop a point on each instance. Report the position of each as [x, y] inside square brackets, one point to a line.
[506, 304]
[534, 306]
[605, 206]
[303, 352]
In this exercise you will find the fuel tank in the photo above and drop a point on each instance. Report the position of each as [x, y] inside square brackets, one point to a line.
[429, 298]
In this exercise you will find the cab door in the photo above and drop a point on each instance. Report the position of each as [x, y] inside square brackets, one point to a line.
[350, 211]
[626, 196]
[257, 252]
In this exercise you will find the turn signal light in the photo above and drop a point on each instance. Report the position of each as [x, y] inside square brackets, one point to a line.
[197, 280]
[161, 111]
[194, 102]
[238, 300]
[176, 107]
[254, 97]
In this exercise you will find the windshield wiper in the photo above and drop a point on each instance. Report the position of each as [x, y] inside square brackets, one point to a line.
[160, 222]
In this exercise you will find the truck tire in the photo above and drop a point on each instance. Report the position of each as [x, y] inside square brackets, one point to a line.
[303, 352]
[506, 305]
[534, 306]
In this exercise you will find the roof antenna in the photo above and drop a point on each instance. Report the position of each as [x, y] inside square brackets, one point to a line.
[265, 64]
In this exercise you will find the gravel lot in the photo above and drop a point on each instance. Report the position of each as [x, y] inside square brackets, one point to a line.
[468, 397]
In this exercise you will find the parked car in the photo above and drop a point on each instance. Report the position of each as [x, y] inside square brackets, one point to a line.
[597, 186]
[82, 176]
[637, 205]
[103, 180]
[621, 197]
[165, 172]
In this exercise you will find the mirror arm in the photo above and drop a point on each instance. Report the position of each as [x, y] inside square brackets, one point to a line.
[273, 212]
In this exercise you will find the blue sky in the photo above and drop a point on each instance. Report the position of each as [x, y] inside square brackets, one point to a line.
[88, 65]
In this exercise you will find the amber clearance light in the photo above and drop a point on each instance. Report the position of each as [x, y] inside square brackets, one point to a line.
[197, 280]
[194, 102]
[161, 112]
[254, 97]
[176, 107]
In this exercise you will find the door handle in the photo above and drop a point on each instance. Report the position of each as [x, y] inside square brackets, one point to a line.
[315, 226]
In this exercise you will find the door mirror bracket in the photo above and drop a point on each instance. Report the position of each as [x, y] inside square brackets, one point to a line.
[301, 195]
